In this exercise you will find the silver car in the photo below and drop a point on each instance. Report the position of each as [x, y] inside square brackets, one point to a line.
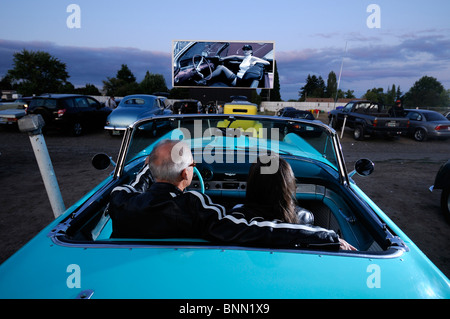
[132, 108]
[427, 123]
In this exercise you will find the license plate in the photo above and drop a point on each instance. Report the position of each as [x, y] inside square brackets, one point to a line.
[391, 124]
[3, 120]
[115, 132]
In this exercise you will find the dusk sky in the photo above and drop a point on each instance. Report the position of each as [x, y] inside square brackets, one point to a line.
[401, 42]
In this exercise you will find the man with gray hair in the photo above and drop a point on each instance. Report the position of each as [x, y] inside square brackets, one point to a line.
[156, 205]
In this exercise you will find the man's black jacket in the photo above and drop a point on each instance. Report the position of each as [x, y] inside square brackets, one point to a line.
[161, 210]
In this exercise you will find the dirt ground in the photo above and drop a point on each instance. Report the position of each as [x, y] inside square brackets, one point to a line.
[404, 170]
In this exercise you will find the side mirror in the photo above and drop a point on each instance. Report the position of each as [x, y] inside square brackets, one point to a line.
[364, 167]
[101, 161]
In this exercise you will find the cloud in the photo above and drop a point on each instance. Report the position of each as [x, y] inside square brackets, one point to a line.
[92, 65]
[368, 62]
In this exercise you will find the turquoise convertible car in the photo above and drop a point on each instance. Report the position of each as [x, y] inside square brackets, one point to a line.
[76, 256]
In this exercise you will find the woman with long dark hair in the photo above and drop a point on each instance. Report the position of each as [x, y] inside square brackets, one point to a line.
[271, 196]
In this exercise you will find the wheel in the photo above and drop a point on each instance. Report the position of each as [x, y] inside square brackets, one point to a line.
[358, 133]
[77, 129]
[445, 203]
[420, 135]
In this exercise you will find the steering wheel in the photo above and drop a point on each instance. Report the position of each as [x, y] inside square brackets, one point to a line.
[197, 66]
[200, 178]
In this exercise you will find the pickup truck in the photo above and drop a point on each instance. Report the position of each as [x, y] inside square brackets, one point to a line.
[368, 118]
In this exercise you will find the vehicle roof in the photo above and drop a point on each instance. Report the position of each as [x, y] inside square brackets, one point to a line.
[421, 111]
[58, 96]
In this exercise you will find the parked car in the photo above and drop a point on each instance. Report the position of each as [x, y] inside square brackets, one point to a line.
[186, 106]
[77, 256]
[72, 113]
[442, 181]
[132, 108]
[447, 115]
[295, 113]
[295, 127]
[21, 103]
[368, 118]
[426, 124]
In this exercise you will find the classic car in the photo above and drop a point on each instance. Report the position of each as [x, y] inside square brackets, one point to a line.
[195, 61]
[442, 181]
[76, 256]
[426, 124]
[132, 108]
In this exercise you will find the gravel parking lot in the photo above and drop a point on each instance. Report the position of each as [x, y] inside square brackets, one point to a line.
[404, 170]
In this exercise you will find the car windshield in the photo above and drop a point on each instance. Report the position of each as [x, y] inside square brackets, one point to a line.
[217, 138]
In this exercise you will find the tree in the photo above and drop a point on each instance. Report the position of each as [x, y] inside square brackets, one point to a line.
[89, 89]
[125, 74]
[314, 87]
[153, 83]
[37, 72]
[375, 95]
[275, 93]
[123, 84]
[331, 85]
[425, 92]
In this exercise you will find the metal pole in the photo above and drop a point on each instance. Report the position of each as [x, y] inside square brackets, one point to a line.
[340, 73]
[32, 124]
[343, 126]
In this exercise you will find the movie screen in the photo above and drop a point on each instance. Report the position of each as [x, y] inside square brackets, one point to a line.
[223, 64]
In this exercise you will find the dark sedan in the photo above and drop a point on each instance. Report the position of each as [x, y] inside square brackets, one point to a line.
[427, 124]
[295, 127]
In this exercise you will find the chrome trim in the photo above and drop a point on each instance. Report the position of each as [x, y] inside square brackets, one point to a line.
[231, 117]
[390, 253]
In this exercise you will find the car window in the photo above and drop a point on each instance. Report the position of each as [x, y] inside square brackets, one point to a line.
[414, 116]
[81, 102]
[434, 117]
[92, 102]
[136, 101]
[68, 103]
[348, 107]
[51, 103]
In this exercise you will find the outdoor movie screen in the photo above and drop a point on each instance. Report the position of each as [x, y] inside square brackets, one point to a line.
[210, 64]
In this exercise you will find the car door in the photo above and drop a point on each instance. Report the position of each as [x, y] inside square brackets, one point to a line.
[98, 113]
[83, 111]
[415, 119]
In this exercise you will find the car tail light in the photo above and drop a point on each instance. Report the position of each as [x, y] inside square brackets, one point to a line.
[375, 122]
[441, 127]
[61, 112]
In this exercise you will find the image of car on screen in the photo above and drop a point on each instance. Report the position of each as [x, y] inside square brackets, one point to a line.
[223, 64]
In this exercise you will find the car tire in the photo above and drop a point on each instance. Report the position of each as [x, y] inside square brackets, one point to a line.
[420, 135]
[77, 129]
[445, 203]
[358, 133]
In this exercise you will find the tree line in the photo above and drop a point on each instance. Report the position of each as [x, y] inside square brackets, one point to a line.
[37, 72]
[426, 92]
